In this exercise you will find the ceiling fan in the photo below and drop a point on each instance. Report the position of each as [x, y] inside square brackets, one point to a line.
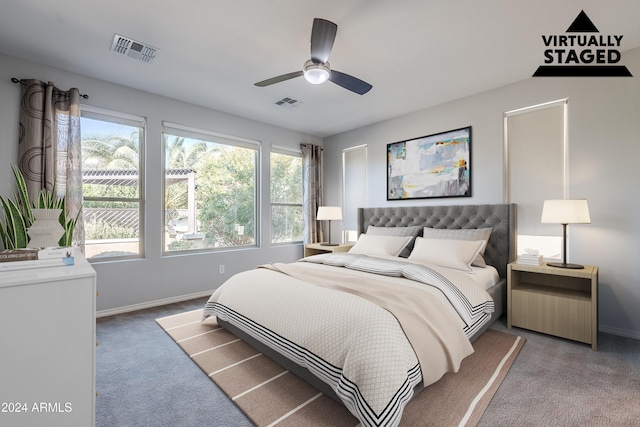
[317, 69]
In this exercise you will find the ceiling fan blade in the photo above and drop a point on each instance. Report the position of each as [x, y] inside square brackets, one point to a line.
[323, 34]
[349, 82]
[279, 79]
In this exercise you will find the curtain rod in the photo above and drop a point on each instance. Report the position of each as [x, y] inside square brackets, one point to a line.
[14, 80]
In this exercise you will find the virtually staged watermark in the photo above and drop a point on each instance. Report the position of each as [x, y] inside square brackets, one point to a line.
[582, 52]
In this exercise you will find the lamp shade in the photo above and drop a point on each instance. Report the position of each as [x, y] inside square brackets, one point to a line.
[567, 211]
[329, 213]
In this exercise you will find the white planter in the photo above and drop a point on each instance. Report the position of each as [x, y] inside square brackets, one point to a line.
[46, 231]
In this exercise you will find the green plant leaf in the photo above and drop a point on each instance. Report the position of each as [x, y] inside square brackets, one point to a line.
[7, 234]
[15, 227]
[3, 235]
[3, 229]
[69, 227]
[23, 196]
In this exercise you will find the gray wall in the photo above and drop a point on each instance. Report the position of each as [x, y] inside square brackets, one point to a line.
[604, 154]
[156, 279]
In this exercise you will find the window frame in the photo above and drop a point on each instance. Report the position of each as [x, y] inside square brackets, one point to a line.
[186, 131]
[127, 119]
[547, 239]
[275, 149]
[349, 233]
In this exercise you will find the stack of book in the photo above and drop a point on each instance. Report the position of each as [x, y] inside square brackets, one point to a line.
[22, 259]
[530, 259]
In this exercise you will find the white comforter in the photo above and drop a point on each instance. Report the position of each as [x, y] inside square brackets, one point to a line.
[357, 347]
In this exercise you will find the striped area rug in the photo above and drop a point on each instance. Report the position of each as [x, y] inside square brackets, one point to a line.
[272, 396]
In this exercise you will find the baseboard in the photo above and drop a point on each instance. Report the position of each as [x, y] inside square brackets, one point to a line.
[150, 304]
[619, 331]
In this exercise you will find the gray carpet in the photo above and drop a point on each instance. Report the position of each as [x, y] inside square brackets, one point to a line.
[144, 379]
[556, 382]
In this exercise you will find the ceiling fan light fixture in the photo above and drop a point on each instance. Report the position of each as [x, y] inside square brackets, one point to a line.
[317, 69]
[316, 73]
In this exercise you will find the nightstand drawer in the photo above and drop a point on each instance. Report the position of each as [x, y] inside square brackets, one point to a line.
[553, 312]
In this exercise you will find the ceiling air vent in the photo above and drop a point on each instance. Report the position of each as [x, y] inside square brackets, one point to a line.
[288, 102]
[133, 49]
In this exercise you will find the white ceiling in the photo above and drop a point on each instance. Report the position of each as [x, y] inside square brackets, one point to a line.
[415, 53]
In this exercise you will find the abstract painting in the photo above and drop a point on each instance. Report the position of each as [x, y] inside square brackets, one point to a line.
[431, 166]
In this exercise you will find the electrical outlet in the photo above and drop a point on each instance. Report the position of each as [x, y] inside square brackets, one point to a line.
[221, 269]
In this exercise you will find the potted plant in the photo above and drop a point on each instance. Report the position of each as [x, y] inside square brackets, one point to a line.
[18, 214]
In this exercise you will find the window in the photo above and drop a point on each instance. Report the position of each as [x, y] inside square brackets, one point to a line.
[286, 197]
[354, 188]
[536, 166]
[112, 146]
[210, 190]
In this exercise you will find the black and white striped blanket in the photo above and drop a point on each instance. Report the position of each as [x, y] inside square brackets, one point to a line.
[356, 347]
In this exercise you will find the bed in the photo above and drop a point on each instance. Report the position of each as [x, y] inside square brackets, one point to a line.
[332, 319]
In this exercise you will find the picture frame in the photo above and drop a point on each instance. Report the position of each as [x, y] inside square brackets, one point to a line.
[431, 166]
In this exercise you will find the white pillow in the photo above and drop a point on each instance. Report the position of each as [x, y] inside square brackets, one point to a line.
[412, 231]
[462, 234]
[369, 244]
[456, 254]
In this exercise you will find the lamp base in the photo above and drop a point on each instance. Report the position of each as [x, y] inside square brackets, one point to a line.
[565, 265]
[329, 244]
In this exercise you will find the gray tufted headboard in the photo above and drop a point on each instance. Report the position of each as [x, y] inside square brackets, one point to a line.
[501, 248]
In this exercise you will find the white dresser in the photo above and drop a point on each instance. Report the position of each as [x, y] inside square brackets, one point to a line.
[48, 346]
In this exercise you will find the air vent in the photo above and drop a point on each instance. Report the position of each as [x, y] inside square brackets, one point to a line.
[288, 103]
[133, 49]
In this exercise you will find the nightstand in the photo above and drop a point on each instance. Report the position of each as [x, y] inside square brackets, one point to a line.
[555, 301]
[317, 248]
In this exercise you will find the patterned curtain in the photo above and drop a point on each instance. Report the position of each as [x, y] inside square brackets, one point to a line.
[49, 151]
[311, 191]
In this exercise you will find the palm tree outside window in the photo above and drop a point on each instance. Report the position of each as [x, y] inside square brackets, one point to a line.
[112, 177]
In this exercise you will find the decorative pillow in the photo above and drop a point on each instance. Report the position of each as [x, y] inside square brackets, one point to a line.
[462, 234]
[457, 254]
[397, 231]
[380, 245]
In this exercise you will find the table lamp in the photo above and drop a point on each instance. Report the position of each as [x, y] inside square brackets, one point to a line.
[329, 213]
[566, 211]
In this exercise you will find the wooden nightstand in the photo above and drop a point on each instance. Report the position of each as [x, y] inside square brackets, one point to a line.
[556, 301]
[317, 248]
